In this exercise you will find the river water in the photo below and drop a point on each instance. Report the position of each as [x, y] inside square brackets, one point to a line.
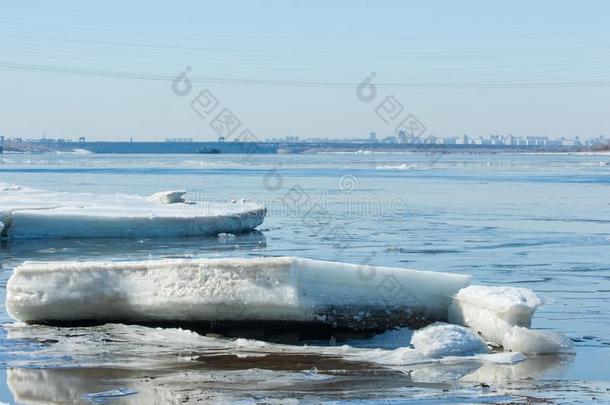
[540, 221]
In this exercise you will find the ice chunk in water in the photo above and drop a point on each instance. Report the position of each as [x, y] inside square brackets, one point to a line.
[503, 315]
[105, 395]
[169, 197]
[442, 339]
[37, 214]
[260, 289]
[530, 341]
[493, 311]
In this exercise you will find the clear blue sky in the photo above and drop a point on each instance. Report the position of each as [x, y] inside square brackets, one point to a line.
[102, 69]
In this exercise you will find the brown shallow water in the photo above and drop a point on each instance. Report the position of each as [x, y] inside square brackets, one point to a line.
[286, 378]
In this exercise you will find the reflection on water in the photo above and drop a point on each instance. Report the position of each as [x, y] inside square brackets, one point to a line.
[533, 368]
[71, 386]
[128, 249]
[272, 377]
[174, 364]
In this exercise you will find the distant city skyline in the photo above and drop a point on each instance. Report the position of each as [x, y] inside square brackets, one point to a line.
[104, 71]
[373, 138]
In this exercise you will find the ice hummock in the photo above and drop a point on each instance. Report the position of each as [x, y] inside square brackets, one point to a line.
[169, 196]
[503, 316]
[338, 295]
[492, 311]
[443, 339]
[27, 213]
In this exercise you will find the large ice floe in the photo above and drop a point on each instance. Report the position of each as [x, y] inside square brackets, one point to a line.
[200, 290]
[287, 290]
[27, 213]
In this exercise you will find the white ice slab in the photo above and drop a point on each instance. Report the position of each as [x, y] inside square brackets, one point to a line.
[503, 316]
[493, 311]
[524, 340]
[260, 289]
[37, 214]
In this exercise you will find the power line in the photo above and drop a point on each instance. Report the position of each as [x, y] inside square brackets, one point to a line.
[303, 83]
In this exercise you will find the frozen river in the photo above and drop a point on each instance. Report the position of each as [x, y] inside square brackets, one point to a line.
[529, 220]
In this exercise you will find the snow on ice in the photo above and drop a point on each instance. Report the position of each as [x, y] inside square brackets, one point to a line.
[443, 339]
